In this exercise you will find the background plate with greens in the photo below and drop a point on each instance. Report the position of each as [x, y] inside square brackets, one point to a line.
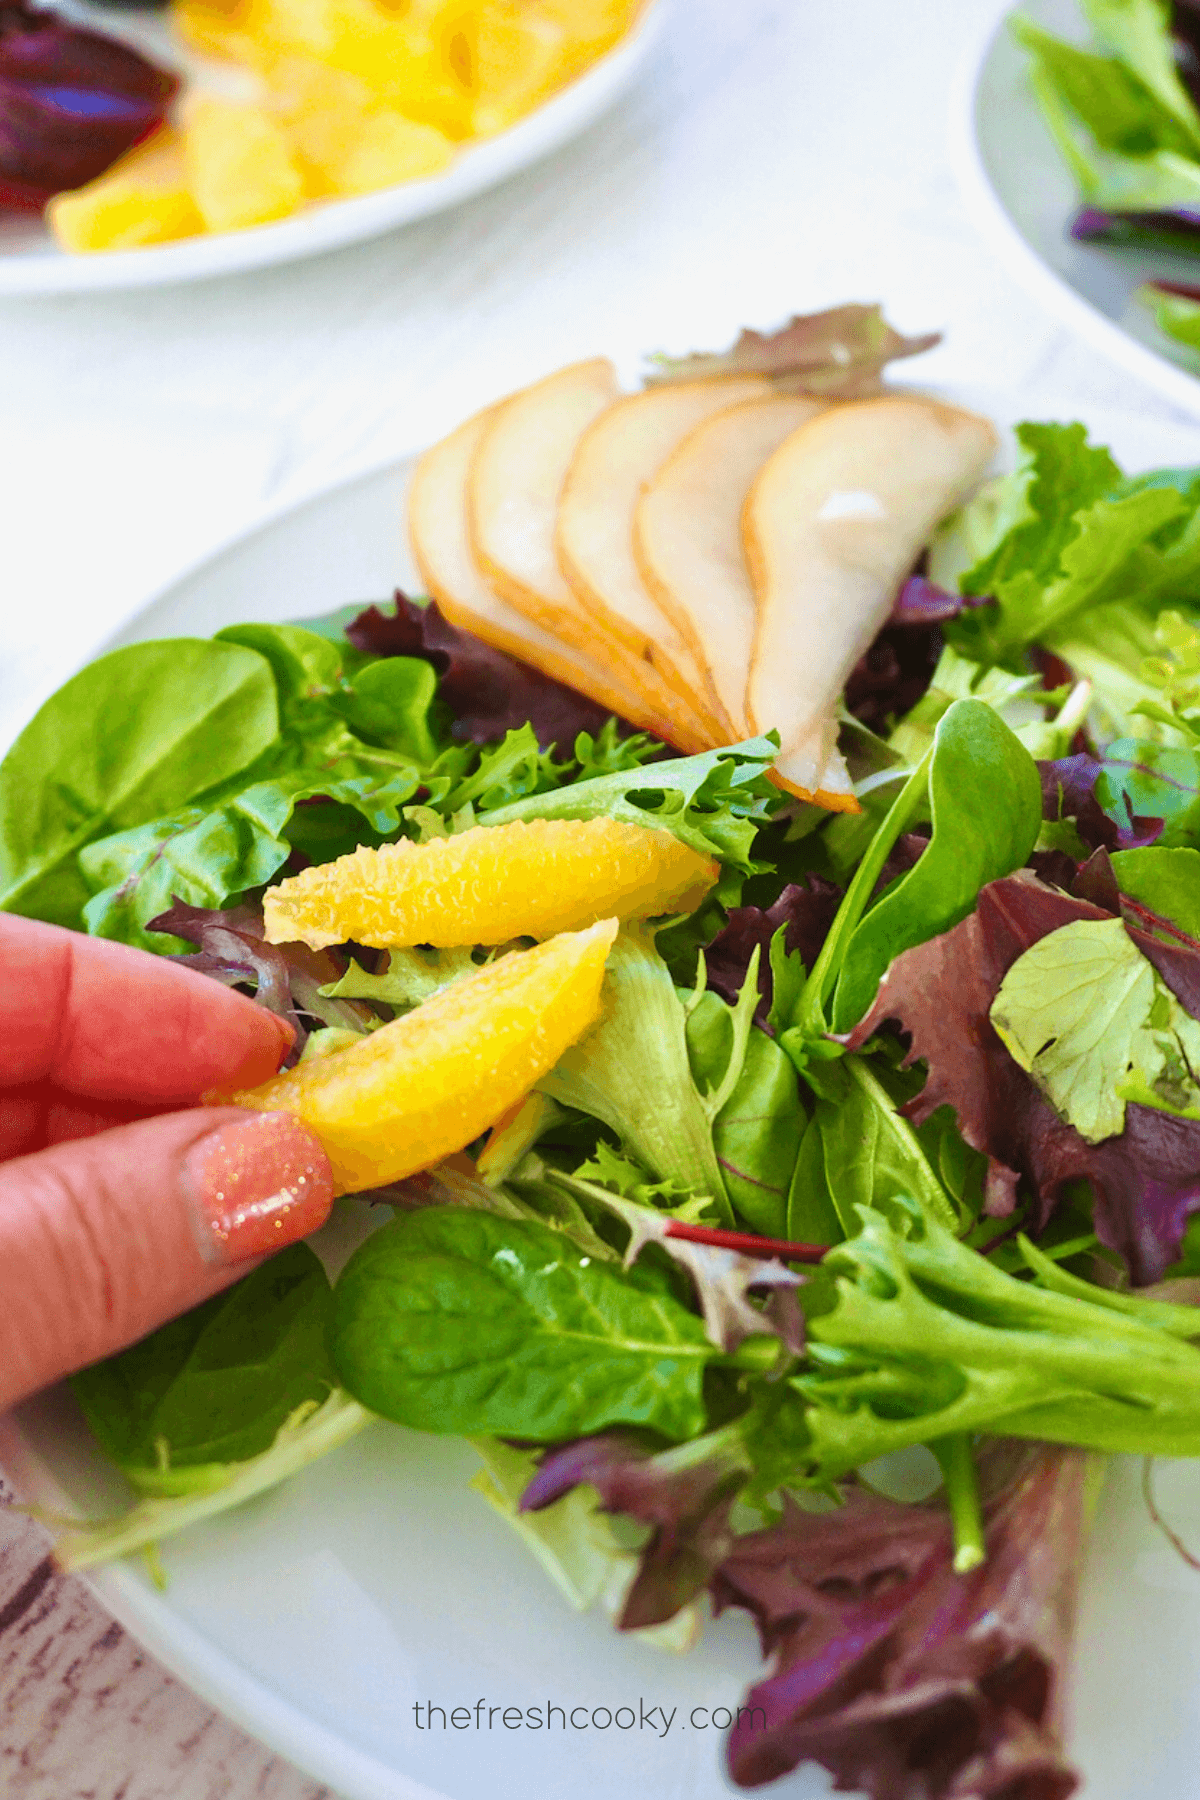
[1020, 195]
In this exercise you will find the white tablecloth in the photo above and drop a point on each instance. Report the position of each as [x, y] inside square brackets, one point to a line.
[778, 156]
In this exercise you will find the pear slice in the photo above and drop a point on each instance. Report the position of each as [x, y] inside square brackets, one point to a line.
[437, 524]
[618, 455]
[513, 490]
[834, 522]
[516, 478]
[687, 538]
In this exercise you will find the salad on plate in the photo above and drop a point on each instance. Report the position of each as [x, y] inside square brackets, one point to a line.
[1123, 114]
[742, 938]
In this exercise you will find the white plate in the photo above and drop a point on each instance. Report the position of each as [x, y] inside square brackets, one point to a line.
[320, 1614]
[1020, 194]
[31, 263]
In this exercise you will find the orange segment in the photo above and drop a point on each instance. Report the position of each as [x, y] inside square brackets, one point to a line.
[489, 885]
[428, 1084]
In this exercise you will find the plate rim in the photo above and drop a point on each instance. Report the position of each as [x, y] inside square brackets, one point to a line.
[321, 228]
[988, 213]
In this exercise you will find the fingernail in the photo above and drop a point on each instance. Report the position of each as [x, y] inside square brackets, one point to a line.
[256, 1185]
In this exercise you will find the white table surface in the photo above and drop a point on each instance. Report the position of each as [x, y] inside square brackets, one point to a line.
[779, 156]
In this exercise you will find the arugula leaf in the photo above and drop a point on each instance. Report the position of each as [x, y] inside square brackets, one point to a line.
[452, 1321]
[985, 801]
[1167, 881]
[1085, 1014]
[139, 733]
[757, 1132]
[215, 1386]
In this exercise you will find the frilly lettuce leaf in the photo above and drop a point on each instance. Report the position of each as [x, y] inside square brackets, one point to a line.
[841, 352]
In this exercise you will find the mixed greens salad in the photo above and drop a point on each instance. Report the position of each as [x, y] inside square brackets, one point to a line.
[1124, 117]
[893, 1141]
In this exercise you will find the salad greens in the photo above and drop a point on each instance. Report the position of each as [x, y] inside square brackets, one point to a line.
[1124, 118]
[872, 1151]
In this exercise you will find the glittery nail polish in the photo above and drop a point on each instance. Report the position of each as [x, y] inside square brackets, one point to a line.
[256, 1185]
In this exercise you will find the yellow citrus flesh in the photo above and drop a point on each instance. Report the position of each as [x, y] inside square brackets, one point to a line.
[239, 166]
[142, 199]
[428, 1084]
[488, 885]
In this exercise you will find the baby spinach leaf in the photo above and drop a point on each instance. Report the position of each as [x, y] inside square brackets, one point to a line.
[985, 801]
[812, 1217]
[136, 735]
[757, 1132]
[454, 1321]
[1167, 881]
[214, 1386]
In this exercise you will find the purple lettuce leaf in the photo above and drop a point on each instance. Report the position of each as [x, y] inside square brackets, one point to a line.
[841, 352]
[488, 691]
[1146, 1180]
[287, 978]
[1069, 792]
[804, 909]
[685, 1494]
[895, 670]
[903, 1679]
[1176, 229]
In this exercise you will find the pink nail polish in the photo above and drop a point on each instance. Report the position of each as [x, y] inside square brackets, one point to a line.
[257, 1185]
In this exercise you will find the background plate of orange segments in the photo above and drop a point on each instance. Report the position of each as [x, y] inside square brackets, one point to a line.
[31, 262]
[319, 1615]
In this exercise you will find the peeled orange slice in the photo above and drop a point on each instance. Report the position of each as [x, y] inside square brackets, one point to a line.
[428, 1084]
[489, 885]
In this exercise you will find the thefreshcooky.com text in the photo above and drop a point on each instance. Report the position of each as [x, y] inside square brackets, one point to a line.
[485, 1717]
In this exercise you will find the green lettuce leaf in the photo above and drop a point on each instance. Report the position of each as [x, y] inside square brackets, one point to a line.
[138, 734]
[1088, 1018]
[1167, 881]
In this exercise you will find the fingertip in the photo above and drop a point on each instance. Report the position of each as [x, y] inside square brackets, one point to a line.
[256, 1184]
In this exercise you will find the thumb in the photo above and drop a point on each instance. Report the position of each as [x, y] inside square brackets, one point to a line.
[104, 1238]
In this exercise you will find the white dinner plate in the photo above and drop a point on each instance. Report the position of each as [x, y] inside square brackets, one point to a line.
[1020, 194]
[319, 1615]
[32, 263]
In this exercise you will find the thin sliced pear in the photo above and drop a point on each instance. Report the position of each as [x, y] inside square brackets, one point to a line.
[833, 524]
[513, 491]
[618, 455]
[516, 479]
[687, 537]
[437, 524]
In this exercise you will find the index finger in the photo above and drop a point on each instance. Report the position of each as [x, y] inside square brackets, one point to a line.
[108, 1022]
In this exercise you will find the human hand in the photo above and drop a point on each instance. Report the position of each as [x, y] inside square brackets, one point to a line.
[117, 1210]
